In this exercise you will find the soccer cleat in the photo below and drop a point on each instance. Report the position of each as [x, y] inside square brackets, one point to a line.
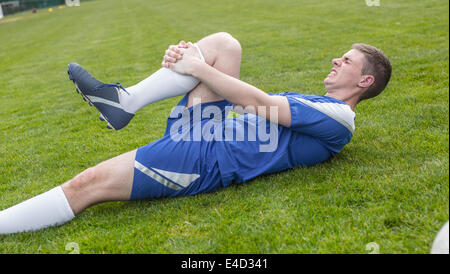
[104, 97]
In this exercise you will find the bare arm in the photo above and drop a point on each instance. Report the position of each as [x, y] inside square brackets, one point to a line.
[234, 90]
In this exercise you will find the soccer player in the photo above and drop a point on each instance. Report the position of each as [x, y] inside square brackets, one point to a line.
[202, 151]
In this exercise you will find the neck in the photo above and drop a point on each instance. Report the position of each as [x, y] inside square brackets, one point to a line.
[350, 98]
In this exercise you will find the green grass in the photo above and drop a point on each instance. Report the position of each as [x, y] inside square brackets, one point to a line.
[389, 185]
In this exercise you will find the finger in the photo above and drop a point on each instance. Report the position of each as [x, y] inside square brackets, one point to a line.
[169, 59]
[174, 49]
[174, 55]
[182, 44]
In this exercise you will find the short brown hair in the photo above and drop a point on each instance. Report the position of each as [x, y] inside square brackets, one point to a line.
[377, 65]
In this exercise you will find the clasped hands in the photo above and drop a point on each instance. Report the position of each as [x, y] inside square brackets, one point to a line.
[178, 59]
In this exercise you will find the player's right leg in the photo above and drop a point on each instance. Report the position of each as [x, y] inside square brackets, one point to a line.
[164, 168]
[110, 180]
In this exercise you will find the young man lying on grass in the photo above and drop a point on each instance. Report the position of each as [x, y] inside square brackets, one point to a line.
[202, 151]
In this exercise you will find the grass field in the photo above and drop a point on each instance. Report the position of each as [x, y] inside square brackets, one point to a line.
[388, 186]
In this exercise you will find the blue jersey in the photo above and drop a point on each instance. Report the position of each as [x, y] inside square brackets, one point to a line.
[237, 149]
[320, 127]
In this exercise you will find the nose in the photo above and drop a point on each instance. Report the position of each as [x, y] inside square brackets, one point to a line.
[336, 62]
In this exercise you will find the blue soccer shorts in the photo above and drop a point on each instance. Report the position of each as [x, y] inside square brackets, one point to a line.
[173, 168]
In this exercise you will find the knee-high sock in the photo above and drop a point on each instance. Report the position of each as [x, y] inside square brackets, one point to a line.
[162, 84]
[47, 209]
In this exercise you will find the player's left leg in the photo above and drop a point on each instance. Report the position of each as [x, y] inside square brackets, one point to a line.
[110, 180]
[118, 105]
[221, 51]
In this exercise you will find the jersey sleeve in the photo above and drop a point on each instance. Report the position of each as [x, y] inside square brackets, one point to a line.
[329, 121]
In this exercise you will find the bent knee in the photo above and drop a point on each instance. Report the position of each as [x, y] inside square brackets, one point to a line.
[228, 42]
[220, 44]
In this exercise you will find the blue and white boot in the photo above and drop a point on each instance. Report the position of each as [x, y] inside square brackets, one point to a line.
[104, 97]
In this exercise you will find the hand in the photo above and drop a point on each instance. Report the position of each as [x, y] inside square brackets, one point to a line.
[180, 62]
[186, 65]
[174, 53]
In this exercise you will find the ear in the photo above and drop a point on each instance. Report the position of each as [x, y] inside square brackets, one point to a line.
[366, 81]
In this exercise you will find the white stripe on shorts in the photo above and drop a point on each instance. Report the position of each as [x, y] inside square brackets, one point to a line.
[155, 176]
[183, 179]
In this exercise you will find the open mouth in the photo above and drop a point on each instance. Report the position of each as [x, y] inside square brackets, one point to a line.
[332, 73]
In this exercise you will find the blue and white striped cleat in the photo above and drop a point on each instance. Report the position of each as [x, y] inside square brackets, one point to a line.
[104, 97]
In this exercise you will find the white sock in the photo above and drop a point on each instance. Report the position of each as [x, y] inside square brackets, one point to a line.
[162, 84]
[47, 209]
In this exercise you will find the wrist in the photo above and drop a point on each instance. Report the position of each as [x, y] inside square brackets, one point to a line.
[196, 67]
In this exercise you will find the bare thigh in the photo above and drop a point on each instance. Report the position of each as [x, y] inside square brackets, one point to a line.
[221, 51]
[111, 180]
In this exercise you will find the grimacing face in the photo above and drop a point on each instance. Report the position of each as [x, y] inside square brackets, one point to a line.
[346, 71]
